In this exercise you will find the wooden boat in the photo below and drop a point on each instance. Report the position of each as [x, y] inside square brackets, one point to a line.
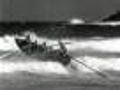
[42, 52]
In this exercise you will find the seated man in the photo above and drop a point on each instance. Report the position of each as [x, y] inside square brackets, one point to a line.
[42, 47]
[62, 48]
[28, 38]
[63, 54]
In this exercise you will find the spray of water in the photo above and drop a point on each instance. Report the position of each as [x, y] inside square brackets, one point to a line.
[32, 67]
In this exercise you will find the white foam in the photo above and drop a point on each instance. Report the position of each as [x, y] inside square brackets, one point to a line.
[7, 43]
[33, 67]
[109, 45]
[101, 64]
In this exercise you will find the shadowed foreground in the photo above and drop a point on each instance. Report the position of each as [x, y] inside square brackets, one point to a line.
[27, 81]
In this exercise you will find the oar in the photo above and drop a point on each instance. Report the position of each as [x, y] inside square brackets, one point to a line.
[96, 71]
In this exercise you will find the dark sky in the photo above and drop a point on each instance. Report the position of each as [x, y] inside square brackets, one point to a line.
[57, 9]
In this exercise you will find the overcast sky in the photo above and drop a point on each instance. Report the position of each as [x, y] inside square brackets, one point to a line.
[57, 9]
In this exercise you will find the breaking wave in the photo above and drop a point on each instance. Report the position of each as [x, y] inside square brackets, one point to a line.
[108, 45]
[14, 64]
[32, 67]
[11, 62]
[7, 43]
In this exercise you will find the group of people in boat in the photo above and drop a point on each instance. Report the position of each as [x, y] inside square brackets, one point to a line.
[43, 46]
[34, 45]
[61, 54]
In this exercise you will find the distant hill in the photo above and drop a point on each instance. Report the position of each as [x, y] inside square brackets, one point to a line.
[113, 17]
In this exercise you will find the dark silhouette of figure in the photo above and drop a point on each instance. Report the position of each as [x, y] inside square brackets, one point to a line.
[63, 54]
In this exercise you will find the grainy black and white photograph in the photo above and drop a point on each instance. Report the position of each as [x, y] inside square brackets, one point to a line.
[59, 44]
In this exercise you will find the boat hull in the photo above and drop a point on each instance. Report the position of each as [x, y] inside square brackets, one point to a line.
[35, 51]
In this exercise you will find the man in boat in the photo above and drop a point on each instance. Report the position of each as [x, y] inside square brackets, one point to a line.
[63, 56]
[43, 51]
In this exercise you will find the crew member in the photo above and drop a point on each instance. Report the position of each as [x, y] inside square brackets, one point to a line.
[64, 57]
